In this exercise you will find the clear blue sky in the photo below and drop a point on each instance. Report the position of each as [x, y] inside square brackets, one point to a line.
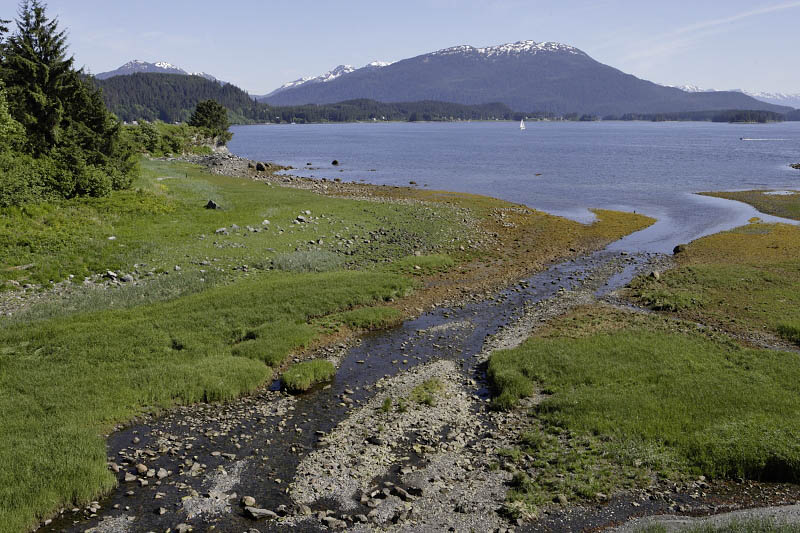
[259, 45]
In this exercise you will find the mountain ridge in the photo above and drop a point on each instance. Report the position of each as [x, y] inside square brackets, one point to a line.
[160, 67]
[527, 75]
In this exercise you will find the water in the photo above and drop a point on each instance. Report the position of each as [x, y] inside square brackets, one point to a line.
[562, 168]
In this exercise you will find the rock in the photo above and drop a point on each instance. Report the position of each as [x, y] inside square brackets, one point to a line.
[560, 499]
[222, 231]
[334, 523]
[161, 511]
[261, 167]
[130, 478]
[259, 514]
[265, 222]
[377, 441]
[304, 510]
[183, 528]
[249, 501]
[335, 162]
[795, 166]
[177, 268]
[679, 249]
[162, 473]
[127, 278]
[655, 274]
[212, 205]
[110, 274]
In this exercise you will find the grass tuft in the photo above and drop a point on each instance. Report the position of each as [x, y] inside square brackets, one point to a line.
[426, 392]
[302, 376]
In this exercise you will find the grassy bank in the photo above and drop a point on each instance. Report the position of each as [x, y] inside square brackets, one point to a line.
[779, 205]
[746, 281]
[215, 302]
[626, 395]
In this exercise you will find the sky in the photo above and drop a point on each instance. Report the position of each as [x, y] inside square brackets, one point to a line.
[259, 45]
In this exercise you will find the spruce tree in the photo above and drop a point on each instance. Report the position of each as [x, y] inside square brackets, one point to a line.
[212, 117]
[38, 75]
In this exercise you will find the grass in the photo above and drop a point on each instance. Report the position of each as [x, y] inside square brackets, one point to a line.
[659, 394]
[72, 367]
[302, 376]
[780, 205]
[745, 280]
[368, 318]
[426, 392]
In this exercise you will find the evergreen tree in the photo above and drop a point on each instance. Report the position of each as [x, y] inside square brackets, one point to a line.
[67, 127]
[211, 116]
[38, 75]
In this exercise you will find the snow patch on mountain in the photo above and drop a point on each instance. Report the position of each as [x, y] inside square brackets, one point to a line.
[778, 98]
[132, 67]
[331, 75]
[509, 49]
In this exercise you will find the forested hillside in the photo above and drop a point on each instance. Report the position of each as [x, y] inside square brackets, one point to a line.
[173, 97]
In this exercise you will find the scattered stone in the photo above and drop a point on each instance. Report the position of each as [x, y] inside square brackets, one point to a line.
[212, 205]
[127, 278]
[259, 514]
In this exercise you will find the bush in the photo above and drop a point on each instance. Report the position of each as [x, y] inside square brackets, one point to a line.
[302, 376]
[22, 178]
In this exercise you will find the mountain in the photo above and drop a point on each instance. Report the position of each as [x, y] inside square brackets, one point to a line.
[160, 67]
[782, 99]
[324, 78]
[528, 76]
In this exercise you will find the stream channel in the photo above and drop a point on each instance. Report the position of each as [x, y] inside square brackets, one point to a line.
[213, 455]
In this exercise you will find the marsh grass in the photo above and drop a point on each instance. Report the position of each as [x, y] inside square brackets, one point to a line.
[302, 376]
[744, 280]
[664, 396]
[368, 318]
[780, 205]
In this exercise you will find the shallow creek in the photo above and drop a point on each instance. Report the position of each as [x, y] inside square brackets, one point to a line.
[201, 460]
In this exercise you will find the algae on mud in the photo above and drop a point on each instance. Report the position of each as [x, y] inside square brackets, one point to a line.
[74, 372]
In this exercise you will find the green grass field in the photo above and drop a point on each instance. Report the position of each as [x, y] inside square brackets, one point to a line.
[651, 392]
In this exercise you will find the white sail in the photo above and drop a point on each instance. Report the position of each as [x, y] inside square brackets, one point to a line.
[522, 124]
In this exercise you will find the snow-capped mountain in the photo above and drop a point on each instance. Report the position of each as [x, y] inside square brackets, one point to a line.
[162, 67]
[329, 76]
[787, 99]
[525, 75]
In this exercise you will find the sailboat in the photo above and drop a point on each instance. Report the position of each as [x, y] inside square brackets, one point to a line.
[522, 124]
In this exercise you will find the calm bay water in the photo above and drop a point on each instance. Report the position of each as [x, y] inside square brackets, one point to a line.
[561, 168]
